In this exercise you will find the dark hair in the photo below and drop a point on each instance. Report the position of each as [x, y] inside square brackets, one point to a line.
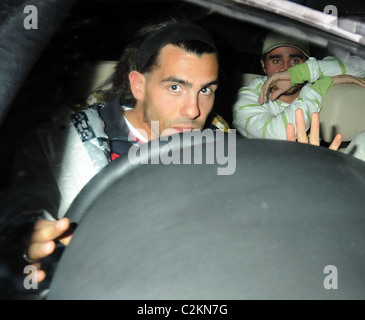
[117, 85]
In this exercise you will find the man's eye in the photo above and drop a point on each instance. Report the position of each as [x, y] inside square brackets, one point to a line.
[206, 91]
[276, 61]
[175, 87]
[295, 61]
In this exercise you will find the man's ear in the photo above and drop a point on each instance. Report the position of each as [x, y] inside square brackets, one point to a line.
[263, 65]
[137, 83]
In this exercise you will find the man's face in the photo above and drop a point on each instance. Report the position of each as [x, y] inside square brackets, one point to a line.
[179, 92]
[281, 59]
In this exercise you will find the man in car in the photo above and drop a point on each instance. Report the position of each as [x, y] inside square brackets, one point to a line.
[170, 75]
[293, 80]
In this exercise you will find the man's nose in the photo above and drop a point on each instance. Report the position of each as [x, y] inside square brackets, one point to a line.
[191, 108]
[285, 66]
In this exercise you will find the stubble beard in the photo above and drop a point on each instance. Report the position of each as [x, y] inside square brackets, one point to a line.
[147, 120]
[168, 124]
[293, 90]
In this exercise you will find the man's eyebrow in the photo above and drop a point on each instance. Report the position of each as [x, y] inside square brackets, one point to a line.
[209, 84]
[275, 56]
[188, 84]
[178, 80]
[294, 55]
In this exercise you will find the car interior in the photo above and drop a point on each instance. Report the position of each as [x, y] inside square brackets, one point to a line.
[342, 110]
[75, 49]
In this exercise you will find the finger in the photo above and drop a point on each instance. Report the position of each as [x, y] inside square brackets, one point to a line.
[263, 94]
[314, 130]
[66, 239]
[41, 275]
[300, 123]
[275, 94]
[268, 85]
[347, 79]
[336, 142]
[45, 230]
[357, 80]
[354, 80]
[39, 250]
[361, 82]
[290, 132]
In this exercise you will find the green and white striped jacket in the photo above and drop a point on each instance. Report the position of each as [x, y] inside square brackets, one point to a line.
[270, 119]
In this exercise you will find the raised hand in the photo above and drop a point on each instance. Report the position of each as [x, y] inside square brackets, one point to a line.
[301, 135]
[276, 84]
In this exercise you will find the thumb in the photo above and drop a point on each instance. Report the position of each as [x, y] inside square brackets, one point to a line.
[275, 94]
[66, 240]
[66, 230]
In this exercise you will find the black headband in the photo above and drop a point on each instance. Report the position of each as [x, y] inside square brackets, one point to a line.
[171, 33]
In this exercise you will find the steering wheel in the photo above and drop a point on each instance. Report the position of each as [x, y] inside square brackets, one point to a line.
[288, 223]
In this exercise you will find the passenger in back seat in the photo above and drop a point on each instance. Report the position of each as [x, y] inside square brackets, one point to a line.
[293, 80]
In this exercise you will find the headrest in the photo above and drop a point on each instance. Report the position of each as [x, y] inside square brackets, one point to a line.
[343, 111]
[248, 77]
[92, 76]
